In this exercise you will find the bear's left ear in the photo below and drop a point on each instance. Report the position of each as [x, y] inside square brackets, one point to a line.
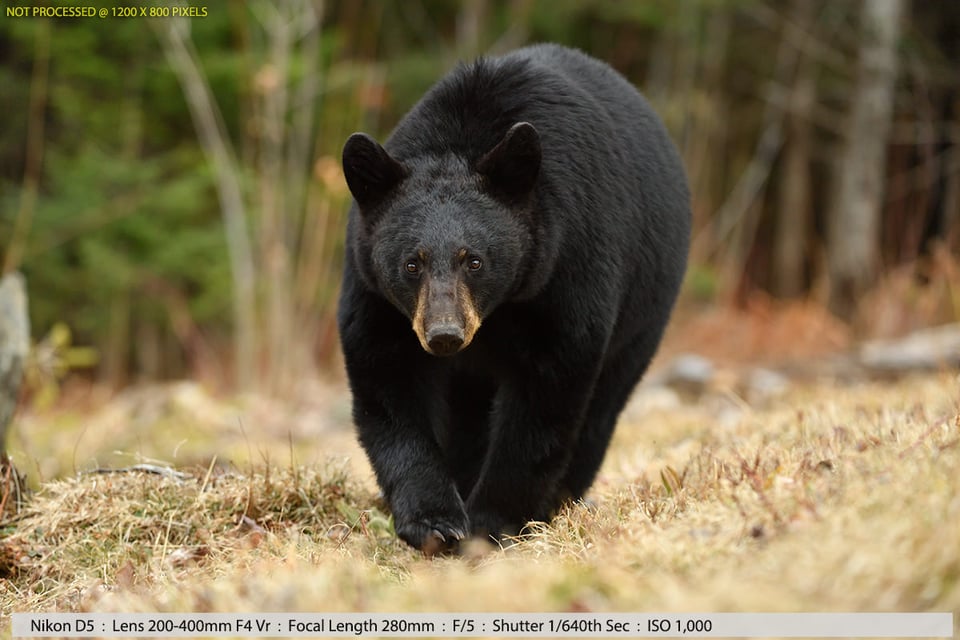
[370, 171]
[513, 165]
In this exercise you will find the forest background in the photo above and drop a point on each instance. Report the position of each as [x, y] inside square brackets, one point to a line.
[171, 188]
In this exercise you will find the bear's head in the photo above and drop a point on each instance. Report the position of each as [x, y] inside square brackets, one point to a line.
[445, 238]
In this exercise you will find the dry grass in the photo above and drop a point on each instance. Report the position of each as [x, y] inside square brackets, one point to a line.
[829, 499]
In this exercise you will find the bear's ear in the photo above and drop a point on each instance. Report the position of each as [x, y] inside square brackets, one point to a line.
[513, 165]
[370, 171]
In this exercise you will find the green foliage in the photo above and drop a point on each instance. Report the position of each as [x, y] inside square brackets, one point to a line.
[702, 282]
[51, 360]
[110, 228]
[126, 209]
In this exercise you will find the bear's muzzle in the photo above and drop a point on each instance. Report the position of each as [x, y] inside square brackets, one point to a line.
[445, 319]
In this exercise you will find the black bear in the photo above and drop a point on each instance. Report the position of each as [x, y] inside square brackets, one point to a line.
[513, 255]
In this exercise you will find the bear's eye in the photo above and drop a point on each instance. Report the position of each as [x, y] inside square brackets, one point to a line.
[474, 264]
[412, 267]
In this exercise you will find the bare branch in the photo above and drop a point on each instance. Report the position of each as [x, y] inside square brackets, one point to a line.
[34, 153]
[174, 34]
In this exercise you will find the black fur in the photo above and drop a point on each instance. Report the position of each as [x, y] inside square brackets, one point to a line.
[580, 222]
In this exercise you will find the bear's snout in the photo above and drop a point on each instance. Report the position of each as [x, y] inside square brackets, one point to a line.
[445, 319]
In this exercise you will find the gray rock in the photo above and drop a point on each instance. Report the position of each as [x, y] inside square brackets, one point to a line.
[764, 384]
[687, 373]
[923, 350]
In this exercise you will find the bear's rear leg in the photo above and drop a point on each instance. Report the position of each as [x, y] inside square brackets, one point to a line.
[613, 389]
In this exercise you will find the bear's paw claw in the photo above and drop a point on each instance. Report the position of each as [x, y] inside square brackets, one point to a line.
[433, 538]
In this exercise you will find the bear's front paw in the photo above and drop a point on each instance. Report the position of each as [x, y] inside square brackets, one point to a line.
[434, 535]
[430, 517]
[490, 525]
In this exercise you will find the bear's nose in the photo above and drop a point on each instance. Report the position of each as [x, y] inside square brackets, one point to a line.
[445, 339]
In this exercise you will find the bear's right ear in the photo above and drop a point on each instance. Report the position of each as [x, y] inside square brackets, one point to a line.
[513, 165]
[370, 171]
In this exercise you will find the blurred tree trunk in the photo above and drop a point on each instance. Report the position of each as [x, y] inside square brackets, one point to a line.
[33, 157]
[174, 36]
[951, 202]
[270, 82]
[470, 23]
[299, 174]
[14, 346]
[707, 130]
[116, 346]
[149, 351]
[790, 242]
[285, 146]
[736, 222]
[264, 249]
[944, 206]
[853, 230]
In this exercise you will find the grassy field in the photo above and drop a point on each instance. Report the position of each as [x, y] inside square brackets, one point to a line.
[829, 498]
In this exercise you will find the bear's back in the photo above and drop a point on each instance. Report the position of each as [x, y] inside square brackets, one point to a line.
[612, 191]
[468, 111]
[591, 121]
